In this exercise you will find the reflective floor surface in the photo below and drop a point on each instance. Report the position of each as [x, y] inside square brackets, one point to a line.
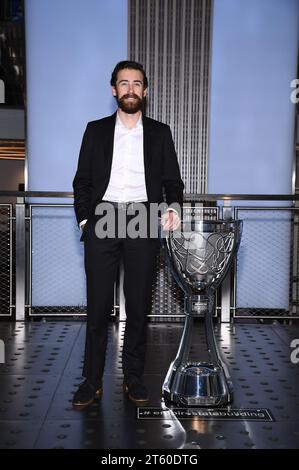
[42, 369]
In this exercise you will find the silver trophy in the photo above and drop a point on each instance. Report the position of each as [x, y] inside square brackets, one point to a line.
[200, 253]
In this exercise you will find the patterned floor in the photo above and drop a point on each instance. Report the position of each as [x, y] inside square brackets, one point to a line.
[42, 370]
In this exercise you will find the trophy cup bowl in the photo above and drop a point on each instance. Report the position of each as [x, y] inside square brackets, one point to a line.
[200, 253]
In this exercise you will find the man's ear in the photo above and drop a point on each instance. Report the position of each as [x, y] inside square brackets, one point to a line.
[145, 93]
[114, 91]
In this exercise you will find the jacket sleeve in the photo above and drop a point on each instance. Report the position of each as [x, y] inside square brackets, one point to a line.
[82, 183]
[171, 179]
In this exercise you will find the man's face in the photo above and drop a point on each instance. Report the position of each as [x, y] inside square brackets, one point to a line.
[129, 90]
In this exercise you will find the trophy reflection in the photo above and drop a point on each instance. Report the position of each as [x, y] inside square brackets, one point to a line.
[200, 253]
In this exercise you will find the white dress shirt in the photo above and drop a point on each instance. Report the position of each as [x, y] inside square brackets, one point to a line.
[127, 180]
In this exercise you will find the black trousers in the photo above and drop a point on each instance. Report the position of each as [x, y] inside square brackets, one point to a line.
[102, 260]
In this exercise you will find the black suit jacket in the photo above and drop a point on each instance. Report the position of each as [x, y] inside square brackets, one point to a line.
[95, 160]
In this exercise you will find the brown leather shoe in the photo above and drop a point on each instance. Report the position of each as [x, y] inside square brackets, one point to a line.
[85, 395]
[135, 390]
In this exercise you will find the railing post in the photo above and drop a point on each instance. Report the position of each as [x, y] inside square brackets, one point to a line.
[226, 283]
[225, 298]
[20, 259]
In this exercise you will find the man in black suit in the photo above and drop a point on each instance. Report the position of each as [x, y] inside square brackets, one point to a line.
[125, 159]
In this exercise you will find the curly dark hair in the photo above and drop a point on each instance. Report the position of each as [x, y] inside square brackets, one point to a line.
[128, 64]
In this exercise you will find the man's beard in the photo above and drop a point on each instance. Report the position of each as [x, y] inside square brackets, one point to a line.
[130, 107]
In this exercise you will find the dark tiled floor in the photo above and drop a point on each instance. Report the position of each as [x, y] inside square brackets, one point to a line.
[43, 368]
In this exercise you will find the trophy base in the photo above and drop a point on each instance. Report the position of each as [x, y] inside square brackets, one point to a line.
[197, 384]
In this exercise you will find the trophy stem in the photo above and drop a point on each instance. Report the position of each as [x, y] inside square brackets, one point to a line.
[186, 339]
[216, 356]
[198, 383]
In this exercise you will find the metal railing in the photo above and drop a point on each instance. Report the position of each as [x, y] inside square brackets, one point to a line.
[269, 230]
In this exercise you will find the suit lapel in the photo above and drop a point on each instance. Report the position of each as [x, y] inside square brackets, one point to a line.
[109, 141]
[147, 154]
